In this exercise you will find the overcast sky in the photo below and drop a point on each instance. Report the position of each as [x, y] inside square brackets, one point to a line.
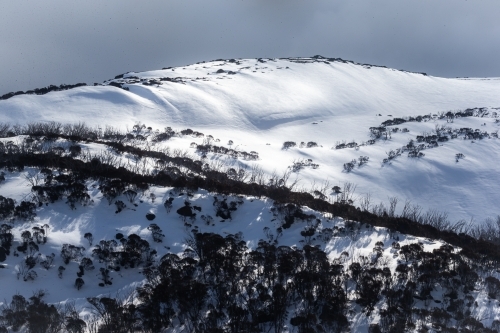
[59, 41]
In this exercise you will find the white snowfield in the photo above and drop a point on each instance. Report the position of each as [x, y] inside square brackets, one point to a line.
[259, 105]
[258, 97]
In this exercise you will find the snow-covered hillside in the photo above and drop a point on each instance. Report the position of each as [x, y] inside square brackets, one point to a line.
[260, 103]
[95, 225]
[253, 96]
[362, 140]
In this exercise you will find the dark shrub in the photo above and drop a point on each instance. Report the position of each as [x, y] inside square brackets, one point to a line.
[187, 131]
[79, 283]
[288, 144]
[75, 150]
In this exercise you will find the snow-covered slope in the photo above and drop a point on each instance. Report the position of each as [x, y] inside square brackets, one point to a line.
[329, 108]
[254, 95]
[253, 220]
[260, 103]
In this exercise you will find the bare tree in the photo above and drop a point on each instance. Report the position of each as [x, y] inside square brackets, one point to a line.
[393, 201]
[379, 209]
[365, 202]
[256, 174]
[321, 190]
[33, 178]
[406, 209]
[347, 195]
[4, 129]
[412, 212]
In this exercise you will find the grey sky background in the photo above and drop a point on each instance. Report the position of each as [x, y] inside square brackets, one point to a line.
[60, 41]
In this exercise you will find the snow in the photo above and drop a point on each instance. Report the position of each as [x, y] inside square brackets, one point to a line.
[265, 104]
[69, 226]
[253, 220]
[260, 107]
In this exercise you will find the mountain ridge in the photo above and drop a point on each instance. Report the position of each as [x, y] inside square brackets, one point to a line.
[327, 89]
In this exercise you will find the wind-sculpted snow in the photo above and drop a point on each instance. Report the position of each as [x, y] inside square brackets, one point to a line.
[258, 96]
[261, 103]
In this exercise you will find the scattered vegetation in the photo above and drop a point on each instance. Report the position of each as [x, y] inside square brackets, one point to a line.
[42, 91]
[288, 144]
[298, 165]
[208, 148]
[218, 283]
